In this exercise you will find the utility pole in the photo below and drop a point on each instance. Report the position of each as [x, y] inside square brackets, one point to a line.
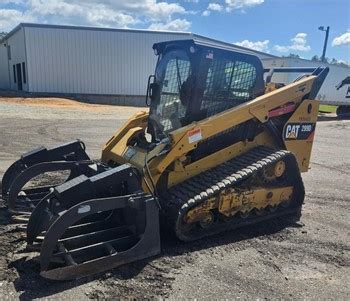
[323, 57]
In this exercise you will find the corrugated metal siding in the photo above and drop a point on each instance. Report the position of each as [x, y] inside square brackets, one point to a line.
[4, 72]
[18, 56]
[91, 62]
[63, 60]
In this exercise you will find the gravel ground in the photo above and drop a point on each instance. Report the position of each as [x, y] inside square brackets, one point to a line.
[278, 259]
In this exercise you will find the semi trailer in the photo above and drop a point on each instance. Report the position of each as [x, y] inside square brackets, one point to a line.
[335, 89]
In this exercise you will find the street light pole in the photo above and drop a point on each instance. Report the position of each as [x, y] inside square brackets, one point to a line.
[323, 57]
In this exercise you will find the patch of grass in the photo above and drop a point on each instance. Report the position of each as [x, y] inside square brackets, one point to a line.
[327, 109]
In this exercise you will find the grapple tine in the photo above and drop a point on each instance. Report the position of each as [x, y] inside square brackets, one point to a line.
[39, 220]
[10, 174]
[103, 255]
[71, 151]
[31, 172]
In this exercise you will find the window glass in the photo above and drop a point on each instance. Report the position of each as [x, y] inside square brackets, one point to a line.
[173, 73]
[228, 84]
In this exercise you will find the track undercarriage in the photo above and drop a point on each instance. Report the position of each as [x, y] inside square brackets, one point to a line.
[253, 187]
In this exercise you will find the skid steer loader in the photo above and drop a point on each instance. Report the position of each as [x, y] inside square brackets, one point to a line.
[221, 147]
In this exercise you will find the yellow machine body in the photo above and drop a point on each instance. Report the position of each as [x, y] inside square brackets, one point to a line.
[175, 162]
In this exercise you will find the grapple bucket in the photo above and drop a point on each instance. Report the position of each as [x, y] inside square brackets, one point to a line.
[68, 157]
[89, 225]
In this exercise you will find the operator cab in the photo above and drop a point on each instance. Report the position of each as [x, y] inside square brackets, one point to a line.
[195, 80]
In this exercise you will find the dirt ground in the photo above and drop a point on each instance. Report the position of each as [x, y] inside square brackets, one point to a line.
[278, 259]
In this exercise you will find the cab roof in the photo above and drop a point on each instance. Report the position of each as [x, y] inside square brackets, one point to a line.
[160, 47]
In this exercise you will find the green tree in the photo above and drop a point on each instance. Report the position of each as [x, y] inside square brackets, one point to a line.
[292, 55]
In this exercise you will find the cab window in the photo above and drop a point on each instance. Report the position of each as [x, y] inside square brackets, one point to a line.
[228, 83]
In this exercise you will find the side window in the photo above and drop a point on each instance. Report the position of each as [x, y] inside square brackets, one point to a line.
[170, 108]
[243, 80]
[228, 84]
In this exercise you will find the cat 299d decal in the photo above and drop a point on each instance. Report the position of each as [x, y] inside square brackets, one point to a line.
[299, 131]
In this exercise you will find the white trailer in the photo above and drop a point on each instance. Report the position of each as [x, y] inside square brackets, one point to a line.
[335, 89]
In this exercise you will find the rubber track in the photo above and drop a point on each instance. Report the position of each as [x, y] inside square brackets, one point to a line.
[185, 196]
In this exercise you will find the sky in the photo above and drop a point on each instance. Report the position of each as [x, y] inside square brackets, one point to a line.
[279, 27]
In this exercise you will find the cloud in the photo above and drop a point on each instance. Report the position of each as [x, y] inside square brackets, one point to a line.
[106, 13]
[343, 39]
[174, 25]
[215, 7]
[102, 16]
[80, 13]
[212, 7]
[18, 2]
[299, 43]
[258, 45]
[162, 10]
[346, 62]
[9, 18]
[241, 4]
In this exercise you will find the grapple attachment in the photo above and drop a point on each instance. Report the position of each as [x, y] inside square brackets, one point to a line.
[67, 157]
[92, 224]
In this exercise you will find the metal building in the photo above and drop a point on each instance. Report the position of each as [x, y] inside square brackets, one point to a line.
[107, 65]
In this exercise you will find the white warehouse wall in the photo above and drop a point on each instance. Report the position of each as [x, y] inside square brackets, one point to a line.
[91, 61]
[4, 74]
[18, 56]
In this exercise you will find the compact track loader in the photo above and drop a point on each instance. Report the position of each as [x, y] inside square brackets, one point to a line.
[221, 147]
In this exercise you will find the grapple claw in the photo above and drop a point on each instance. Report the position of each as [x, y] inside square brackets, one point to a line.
[71, 151]
[67, 157]
[66, 257]
[31, 196]
[91, 224]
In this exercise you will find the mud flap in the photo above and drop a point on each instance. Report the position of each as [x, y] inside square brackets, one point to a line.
[71, 151]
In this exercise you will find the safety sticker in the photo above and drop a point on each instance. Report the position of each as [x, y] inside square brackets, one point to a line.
[194, 135]
[299, 131]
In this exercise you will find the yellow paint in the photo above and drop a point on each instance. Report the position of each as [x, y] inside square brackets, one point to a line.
[232, 201]
[176, 162]
[302, 148]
